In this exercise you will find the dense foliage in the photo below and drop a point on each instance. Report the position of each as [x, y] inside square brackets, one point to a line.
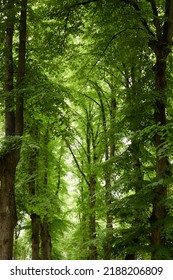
[86, 129]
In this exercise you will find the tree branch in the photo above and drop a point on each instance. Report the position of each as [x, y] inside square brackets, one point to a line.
[107, 46]
[168, 25]
[84, 94]
[156, 19]
[82, 3]
[77, 163]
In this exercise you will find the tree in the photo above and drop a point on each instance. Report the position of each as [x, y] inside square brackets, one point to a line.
[10, 153]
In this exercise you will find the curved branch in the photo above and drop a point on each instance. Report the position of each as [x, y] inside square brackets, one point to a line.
[77, 163]
[109, 43]
[89, 97]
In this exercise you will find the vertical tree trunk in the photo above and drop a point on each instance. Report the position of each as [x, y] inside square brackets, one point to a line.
[46, 245]
[35, 219]
[160, 210]
[11, 155]
[92, 220]
[8, 81]
[21, 69]
[109, 153]
[135, 151]
[109, 221]
[35, 222]
[83, 221]
[90, 179]
[7, 207]
[130, 82]
[45, 236]
[7, 165]
[161, 46]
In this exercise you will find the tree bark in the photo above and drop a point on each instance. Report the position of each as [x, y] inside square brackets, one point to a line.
[7, 207]
[21, 69]
[7, 164]
[161, 48]
[35, 222]
[35, 219]
[92, 219]
[10, 157]
[46, 245]
[160, 211]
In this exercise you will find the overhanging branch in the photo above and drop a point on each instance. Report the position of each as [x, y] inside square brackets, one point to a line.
[77, 163]
[108, 44]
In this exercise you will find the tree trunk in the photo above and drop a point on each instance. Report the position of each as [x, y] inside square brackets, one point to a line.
[161, 46]
[21, 69]
[45, 236]
[7, 207]
[109, 222]
[11, 155]
[35, 221]
[46, 245]
[109, 153]
[92, 219]
[7, 162]
[160, 210]
[8, 81]
[135, 151]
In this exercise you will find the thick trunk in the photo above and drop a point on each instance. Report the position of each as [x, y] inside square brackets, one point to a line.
[159, 212]
[11, 155]
[8, 160]
[161, 47]
[35, 221]
[7, 209]
[46, 245]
